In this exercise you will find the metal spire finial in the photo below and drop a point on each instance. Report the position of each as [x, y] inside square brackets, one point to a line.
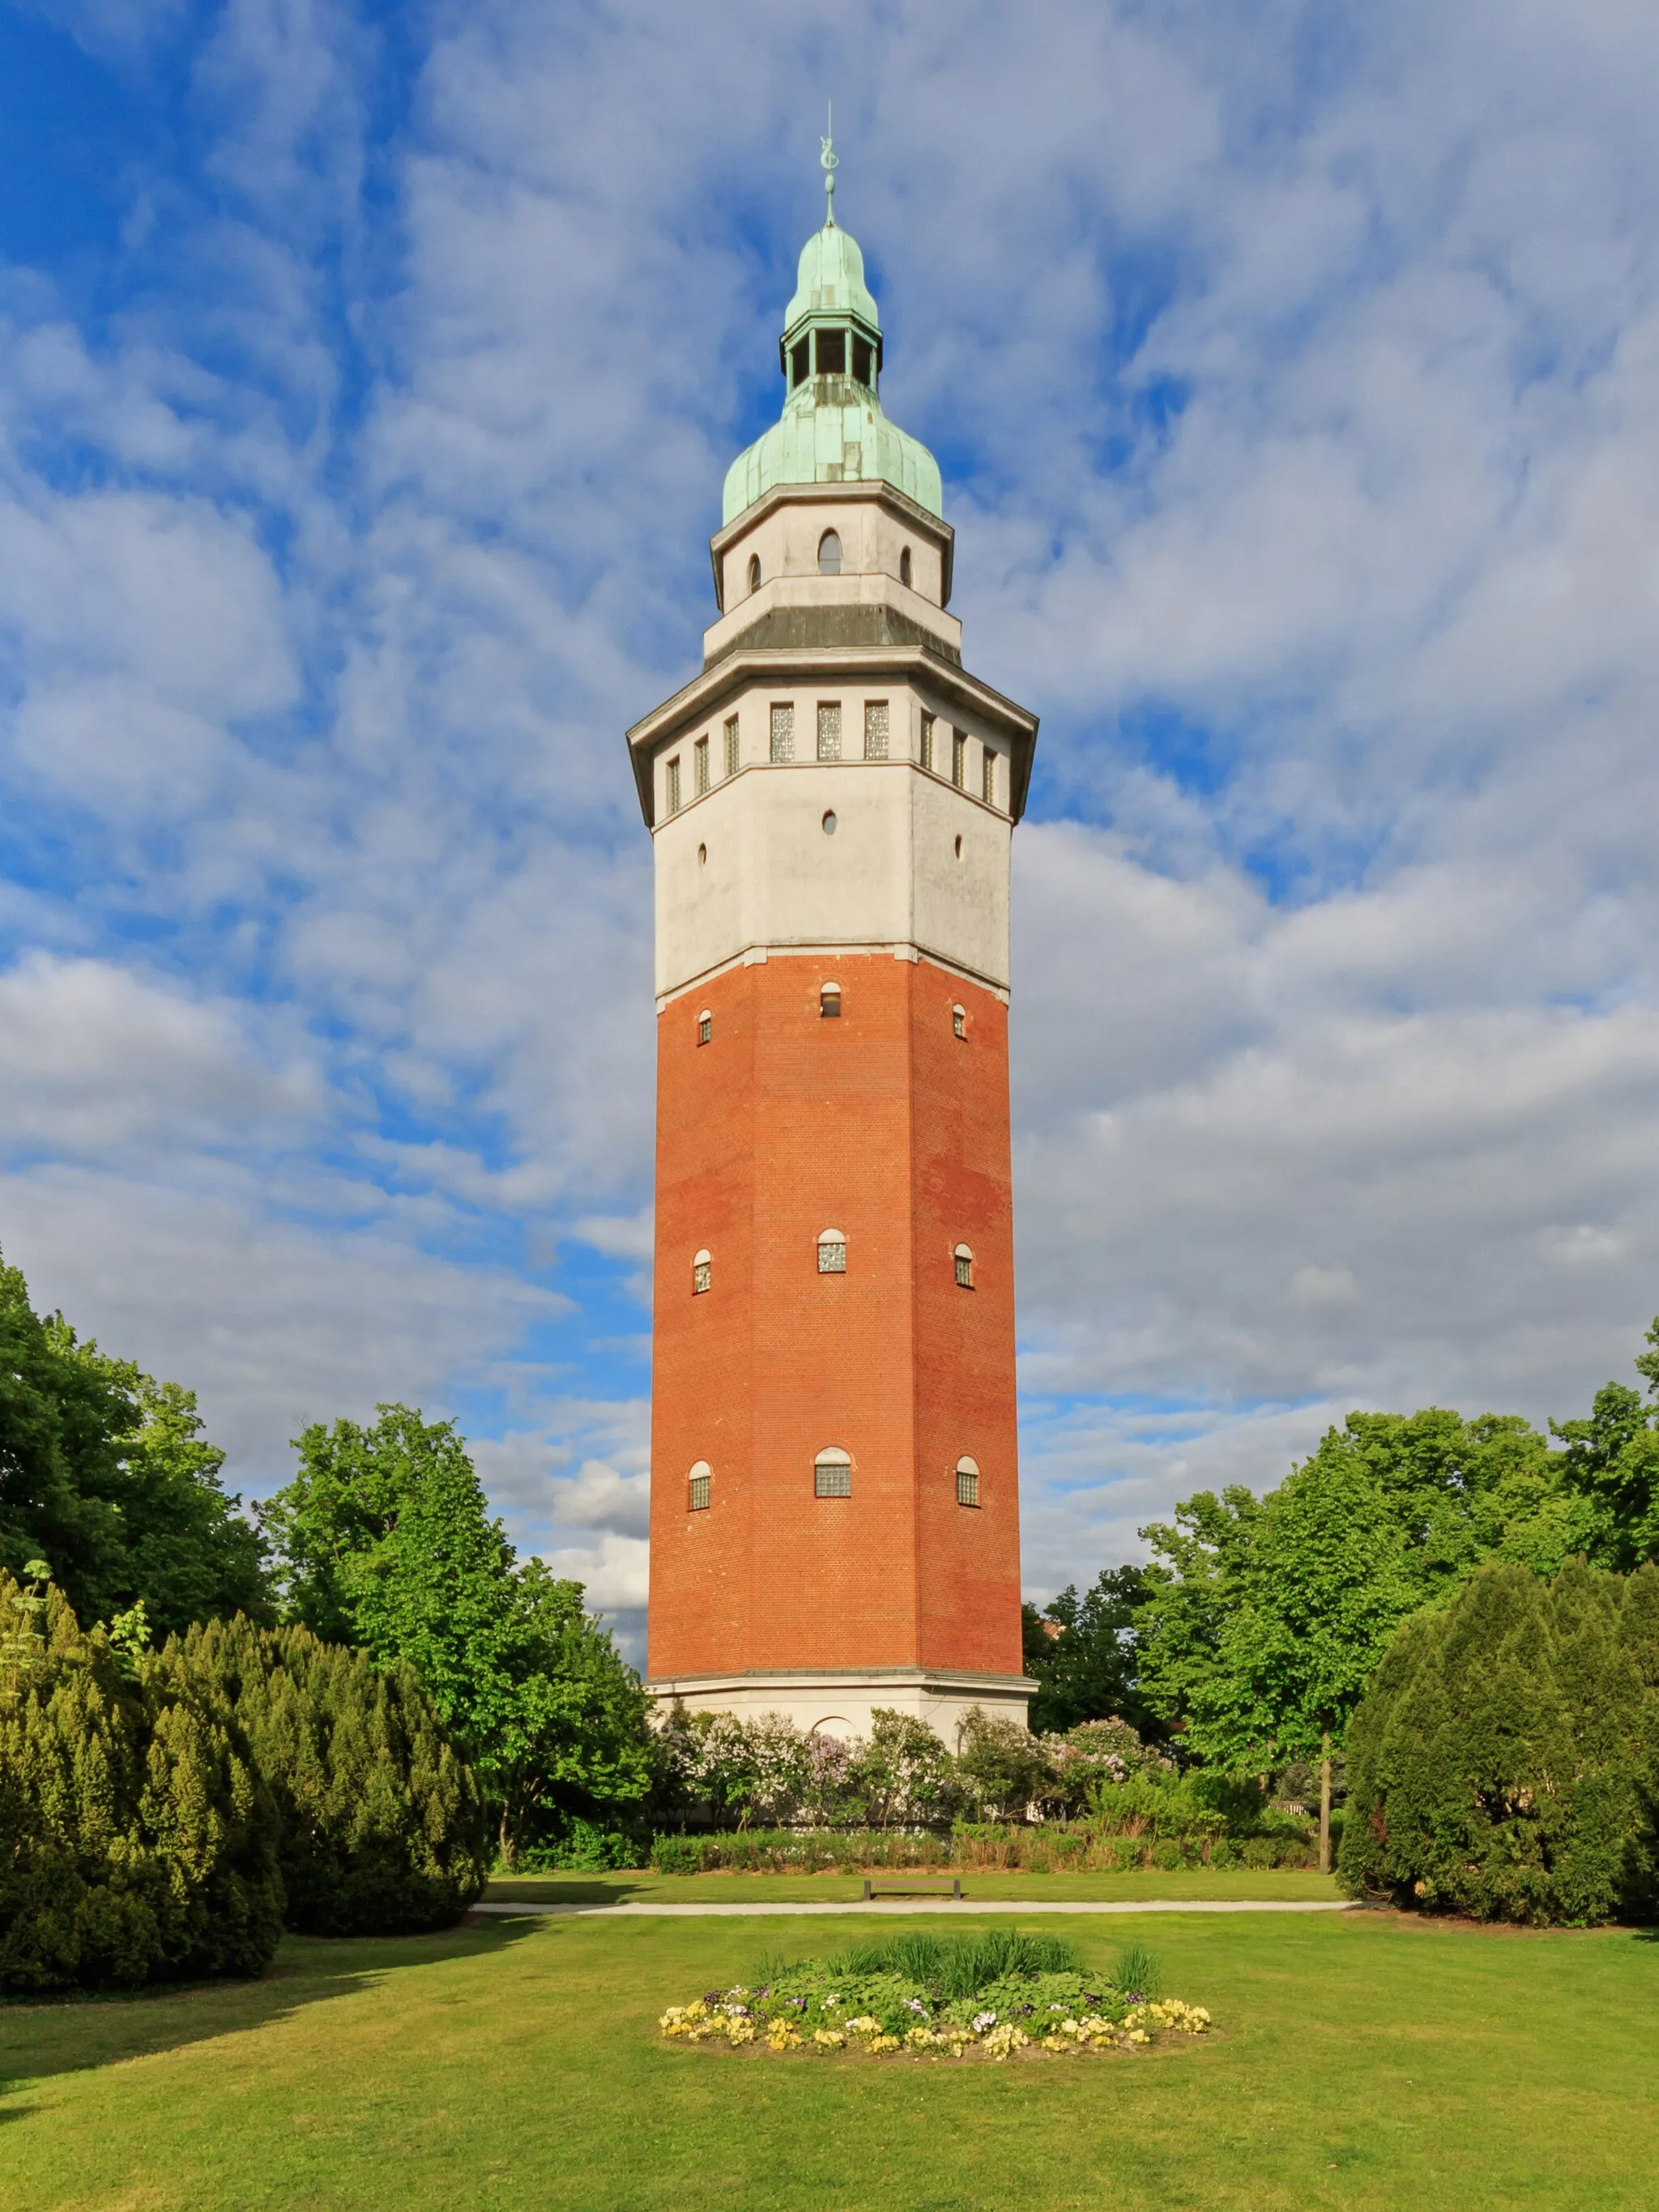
[829, 164]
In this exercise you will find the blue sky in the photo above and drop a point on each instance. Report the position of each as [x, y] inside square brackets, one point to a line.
[367, 380]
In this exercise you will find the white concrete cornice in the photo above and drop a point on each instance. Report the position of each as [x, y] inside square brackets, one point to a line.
[703, 698]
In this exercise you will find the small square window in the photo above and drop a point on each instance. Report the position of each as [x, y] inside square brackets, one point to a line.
[927, 741]
[875, 729]
[783, 733]
[988, 776]
[700, 766]
[674, 785]
[731, 745]
[832, 1479]
[967, 1485]
[829, 729]
[700, 1487]
[958, 757]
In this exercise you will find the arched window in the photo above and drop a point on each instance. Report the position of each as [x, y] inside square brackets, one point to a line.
[705, 1026]
[967, 1481]
[832, 1474]
[959, 1021]
[698, 1484]
[964, 1265]
[829, 554]
[829, 1002]
[702, 1273]
[832, 1251]
[904, 566]
[754, 572]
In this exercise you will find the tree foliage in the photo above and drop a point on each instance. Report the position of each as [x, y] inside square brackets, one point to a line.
[136, 1839]
[1504, 1762]
[1083, 1651]
[105, 1473]
[1264, 1616]
[1611, 1467]
[384, 1539]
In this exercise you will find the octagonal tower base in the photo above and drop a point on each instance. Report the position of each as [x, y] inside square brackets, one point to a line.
[842, 1701]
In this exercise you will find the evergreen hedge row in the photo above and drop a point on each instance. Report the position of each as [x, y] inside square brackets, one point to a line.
[162, 1813]
[1504, 1761]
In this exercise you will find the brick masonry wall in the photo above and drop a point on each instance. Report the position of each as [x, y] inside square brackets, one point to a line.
[885, 1126]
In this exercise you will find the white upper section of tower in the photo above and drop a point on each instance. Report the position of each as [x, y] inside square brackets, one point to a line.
[833, 778]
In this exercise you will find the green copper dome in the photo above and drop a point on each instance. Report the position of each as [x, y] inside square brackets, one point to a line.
[832, 430]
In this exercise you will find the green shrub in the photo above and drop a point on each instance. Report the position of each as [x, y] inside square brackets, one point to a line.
[137, 1839]
[1503, 1761]
[380, 1822]
[584, 1848]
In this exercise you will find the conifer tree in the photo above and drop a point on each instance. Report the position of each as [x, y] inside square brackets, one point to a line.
[136, 1837]
[1504, 1759]
[380, 1823]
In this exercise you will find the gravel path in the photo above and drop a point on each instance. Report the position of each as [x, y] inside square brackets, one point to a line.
[907, 1906]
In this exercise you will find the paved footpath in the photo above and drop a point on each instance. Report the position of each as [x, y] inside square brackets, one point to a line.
[907, 1906]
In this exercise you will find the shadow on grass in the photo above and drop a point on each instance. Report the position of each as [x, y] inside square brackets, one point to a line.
[563, 1888]
[48, 2036]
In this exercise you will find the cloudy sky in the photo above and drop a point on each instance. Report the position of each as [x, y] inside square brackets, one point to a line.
[367, 374]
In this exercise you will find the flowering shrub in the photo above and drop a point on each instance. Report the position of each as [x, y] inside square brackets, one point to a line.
[1006, 1798]
[909, 1996]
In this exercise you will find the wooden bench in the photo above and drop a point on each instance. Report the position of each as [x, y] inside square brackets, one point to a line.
[915, 1889]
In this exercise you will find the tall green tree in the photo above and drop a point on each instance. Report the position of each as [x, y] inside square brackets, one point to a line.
[384, 1539]
[1264, 1618]
[1611, 1471]
[1083, 1650]
[105, 1473]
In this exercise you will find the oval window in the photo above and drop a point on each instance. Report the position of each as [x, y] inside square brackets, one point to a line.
[829, 554]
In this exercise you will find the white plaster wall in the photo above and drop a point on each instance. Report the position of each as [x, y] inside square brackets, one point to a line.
[872, 537]
[749, 867]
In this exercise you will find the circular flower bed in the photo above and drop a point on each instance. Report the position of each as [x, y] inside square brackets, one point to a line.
[1027, 1994]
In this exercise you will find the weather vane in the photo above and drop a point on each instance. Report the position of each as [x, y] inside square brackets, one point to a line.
[828, 163]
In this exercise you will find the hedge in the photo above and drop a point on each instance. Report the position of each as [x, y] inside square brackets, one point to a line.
[982, 1846]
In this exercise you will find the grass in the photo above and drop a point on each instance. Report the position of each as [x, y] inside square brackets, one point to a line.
[644, 1887]
[1359, 2060]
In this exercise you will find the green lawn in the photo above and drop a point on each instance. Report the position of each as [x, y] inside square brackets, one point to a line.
[826, 1888]
[1361, 2061]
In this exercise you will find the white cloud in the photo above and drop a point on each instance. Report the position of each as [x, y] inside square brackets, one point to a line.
[1304, 447]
